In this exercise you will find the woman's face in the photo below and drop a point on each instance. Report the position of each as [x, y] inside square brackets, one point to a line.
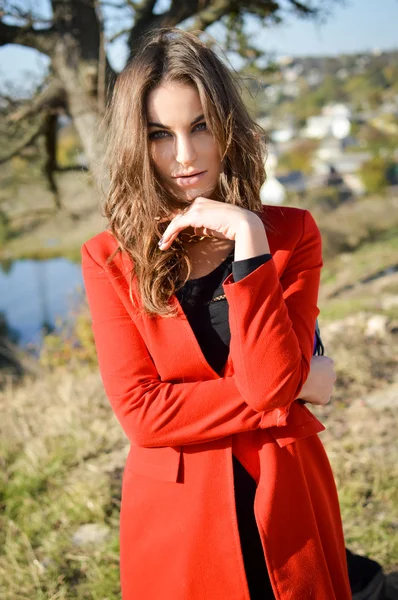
[184, 151]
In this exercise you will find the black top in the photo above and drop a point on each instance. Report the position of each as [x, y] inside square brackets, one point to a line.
[209, 322]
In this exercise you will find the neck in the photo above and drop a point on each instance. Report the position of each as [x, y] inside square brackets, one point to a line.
[209, 249]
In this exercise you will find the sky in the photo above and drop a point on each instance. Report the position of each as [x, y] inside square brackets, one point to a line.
[354, 26]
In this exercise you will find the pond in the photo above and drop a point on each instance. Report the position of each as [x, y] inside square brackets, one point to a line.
[36, 295]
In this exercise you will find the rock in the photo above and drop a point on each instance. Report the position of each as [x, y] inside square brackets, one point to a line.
[389, 301]
[376, 326]
[393, 326]
[384, 398]
[350, 322]
[90, 533]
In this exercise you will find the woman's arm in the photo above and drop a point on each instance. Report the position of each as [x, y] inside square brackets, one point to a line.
[152, 412]
[319, 385]
[272, 324]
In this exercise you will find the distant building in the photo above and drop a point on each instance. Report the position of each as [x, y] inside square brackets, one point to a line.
[292, 72]
[295, 181]
[329, 149]
[335, 121]
[389, 108]
[354, 183]
[280, 136]
[265, 123]
[272, 191]
[283, 132]
[342, 73]
[314, 77]
[336, 110]
[317, 127]
[272, 92]
[291, 89]
[345, 164]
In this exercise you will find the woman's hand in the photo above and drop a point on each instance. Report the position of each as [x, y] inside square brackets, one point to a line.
[222, 220]
[319, 386]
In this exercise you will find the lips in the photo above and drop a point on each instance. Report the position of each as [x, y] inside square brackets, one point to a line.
[184, 175]
[189, 180]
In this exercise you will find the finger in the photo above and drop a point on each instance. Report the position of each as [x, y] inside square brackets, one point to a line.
[173, 215]
[177, 225]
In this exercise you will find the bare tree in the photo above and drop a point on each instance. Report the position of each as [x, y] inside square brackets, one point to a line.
[81, 76]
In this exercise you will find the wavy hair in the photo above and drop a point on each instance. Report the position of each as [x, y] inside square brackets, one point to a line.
[136, 196]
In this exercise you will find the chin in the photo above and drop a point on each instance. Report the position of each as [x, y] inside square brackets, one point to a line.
[207, 192]
[192, 194]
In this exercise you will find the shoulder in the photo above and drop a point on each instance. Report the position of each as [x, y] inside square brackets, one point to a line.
[282, 217]
[288, 224]
[100, 247]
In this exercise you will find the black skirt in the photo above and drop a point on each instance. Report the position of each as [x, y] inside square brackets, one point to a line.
[252, 549]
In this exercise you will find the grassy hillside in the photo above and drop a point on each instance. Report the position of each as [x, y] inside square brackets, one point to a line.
[62, 451]
[34, 228]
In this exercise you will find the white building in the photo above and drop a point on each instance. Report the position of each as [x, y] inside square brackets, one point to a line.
[334, 121]
[345, 164]
[317, 127]
[284, 133]
[272, 191]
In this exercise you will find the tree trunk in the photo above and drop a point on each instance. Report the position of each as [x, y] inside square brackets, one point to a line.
[77, 61]
[84, 114]
[50, 134]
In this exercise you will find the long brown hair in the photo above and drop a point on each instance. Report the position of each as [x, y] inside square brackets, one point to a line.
[136, 196]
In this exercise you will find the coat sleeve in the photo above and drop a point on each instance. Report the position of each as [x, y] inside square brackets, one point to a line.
[272, 324]
[152, 412]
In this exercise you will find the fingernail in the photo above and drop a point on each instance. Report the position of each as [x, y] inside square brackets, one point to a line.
[160, 242]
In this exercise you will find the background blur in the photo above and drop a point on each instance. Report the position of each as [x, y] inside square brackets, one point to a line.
[321, 77]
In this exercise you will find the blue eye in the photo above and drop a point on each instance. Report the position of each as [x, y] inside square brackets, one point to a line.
[158, 135]
[200, 127]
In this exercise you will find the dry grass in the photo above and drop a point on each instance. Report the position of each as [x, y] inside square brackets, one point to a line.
[364, 362]
[43, 232]
[62, 451]
[355, 223]
[62, 455]
[361, 437]
[361, 443]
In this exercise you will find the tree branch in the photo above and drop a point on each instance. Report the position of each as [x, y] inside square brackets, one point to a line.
[119, 34]
[205, 13]
[304, 9]
[122, 5]
[29, 17]
[31, 135]
[80, 168]
[42, 40]
[52, 97]
[146, 20]
[214, 12]
[144, 9]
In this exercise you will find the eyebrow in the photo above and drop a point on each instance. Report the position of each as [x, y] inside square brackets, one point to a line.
[152, 124]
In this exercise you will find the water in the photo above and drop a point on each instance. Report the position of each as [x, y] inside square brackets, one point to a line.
[37, 294]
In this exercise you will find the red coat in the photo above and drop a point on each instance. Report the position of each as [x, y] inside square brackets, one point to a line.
[179, 535]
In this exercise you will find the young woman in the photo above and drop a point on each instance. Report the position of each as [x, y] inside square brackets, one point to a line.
[204, 306]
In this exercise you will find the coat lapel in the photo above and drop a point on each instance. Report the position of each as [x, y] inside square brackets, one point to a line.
[165, 337]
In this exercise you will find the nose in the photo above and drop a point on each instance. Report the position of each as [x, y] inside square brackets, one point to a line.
[185, 150]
